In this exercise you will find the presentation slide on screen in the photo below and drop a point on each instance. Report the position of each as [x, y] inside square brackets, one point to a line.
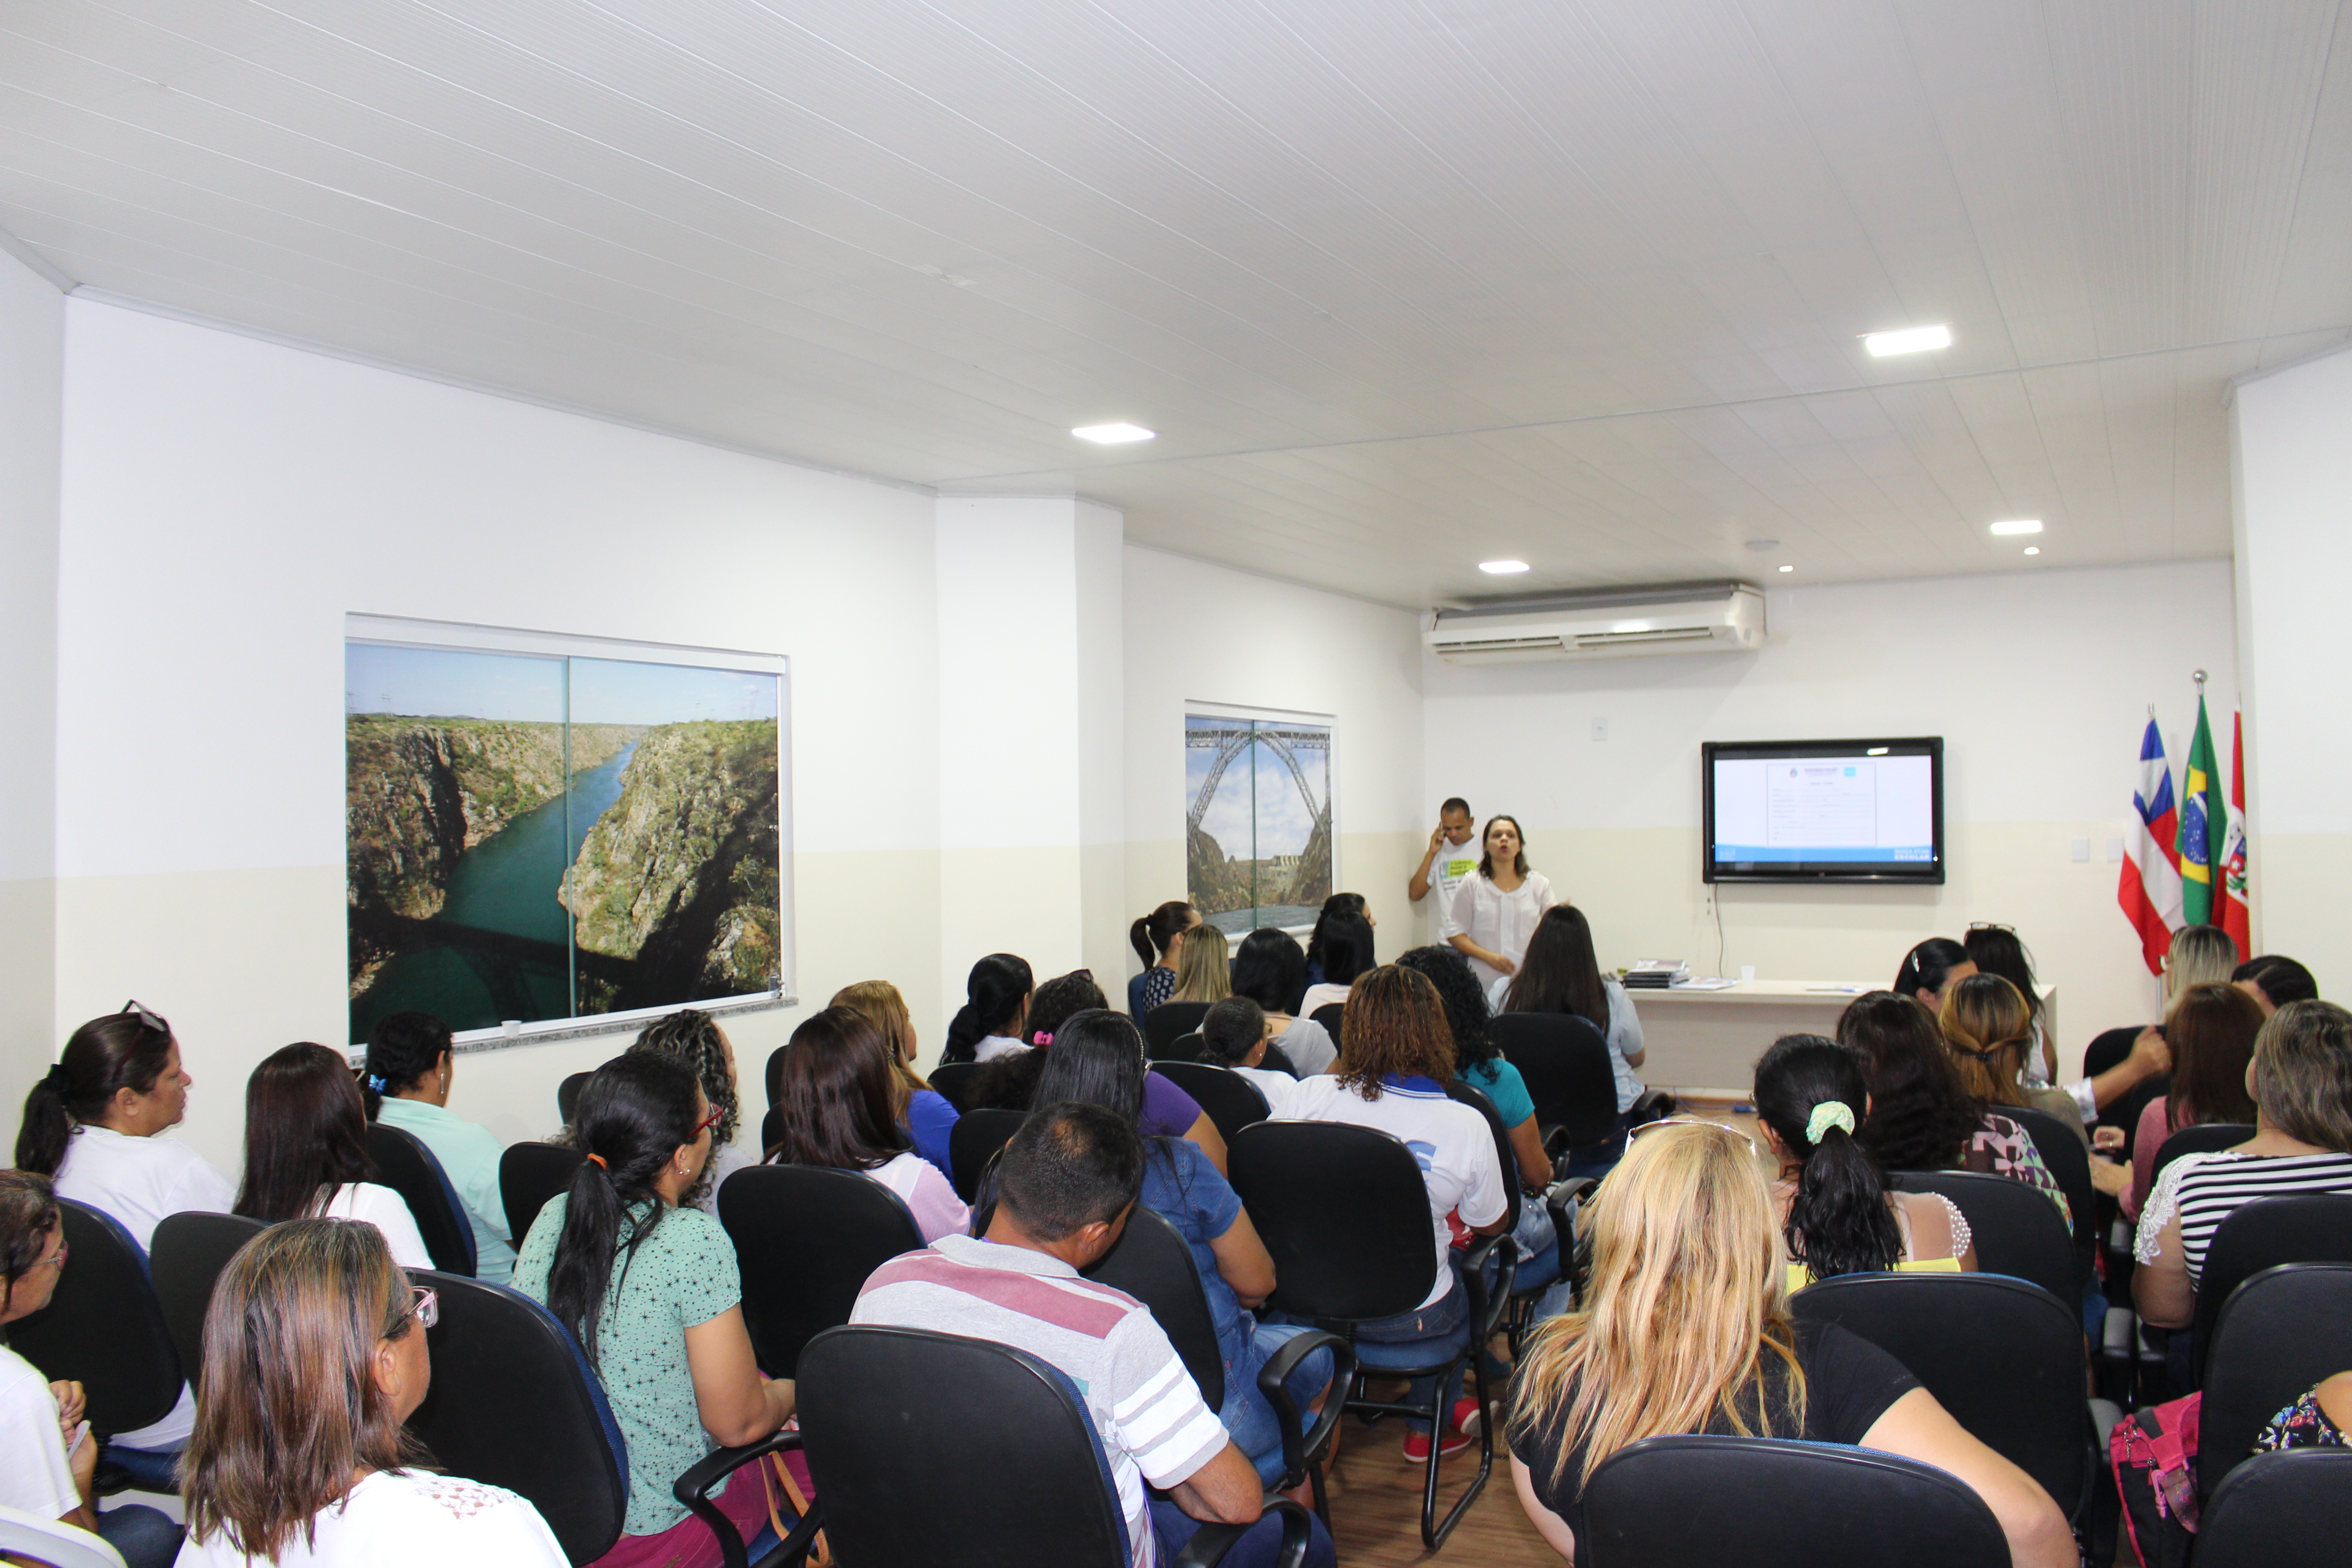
[1779, 810]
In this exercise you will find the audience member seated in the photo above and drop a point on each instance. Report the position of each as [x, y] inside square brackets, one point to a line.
[1158, 939]
[923, 1112]
[1496, 909]
[1204, 973]
[1396, 1057]
[48, 1457]
[1270, 970]
[996, 999]
[1932, 969]
[96, 1122]
[315, 1355]
[1064, 1188]
[1346, 954]
[2273, 980]
[406, 1084]
[694, 1037]
[1987, 1026]
[2301, 1082]
[1921, 1117]
[1235, 1034]
[650, 1289]
[1995, 950]
[835, 1100]
[1336, 907]
[1685, 1328]
[1097, 1059]
[1836, 1215]
[1009, 1082]
[306, 1154]
[1562, 974]
[2318, 1420]
[2210, 1033]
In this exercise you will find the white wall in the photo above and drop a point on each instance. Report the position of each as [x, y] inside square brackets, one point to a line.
[2038, 680]
[2293, 443]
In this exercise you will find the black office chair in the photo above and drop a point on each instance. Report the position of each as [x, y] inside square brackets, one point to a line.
[1182, 1048]
[2070, 1162]
[1769, 1503]
[880, 1405]
[2107, 1049]
[2018, 1230]
[1343, 1211]
[806, 1237]
[2279, 1333]
[2205, 1138]
[567, 1095]
[2276, 1508]
[2003, 1357]
[1565, 1062]
[952, 1082]
[405, 1164]
[191, 1250]
[1331, 1016]
[2303, 1228]
[1169, 1022]
[1230, 1101]
[977, 1135]
[103, 1327]
[529, 1174]
[514, 1405]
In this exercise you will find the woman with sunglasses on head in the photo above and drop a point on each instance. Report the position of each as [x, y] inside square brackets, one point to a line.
[1685, 1328]
[306, 1154]
[650, 1290]
[314, 1356]
[1496, 909]
[833, 1091]
[48, 1458]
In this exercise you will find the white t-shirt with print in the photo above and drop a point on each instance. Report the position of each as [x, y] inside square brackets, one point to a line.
[1453, 862]
[398, 1519]
[34, 1472]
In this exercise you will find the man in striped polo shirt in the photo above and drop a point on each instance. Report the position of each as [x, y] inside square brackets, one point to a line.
[1064, 1188]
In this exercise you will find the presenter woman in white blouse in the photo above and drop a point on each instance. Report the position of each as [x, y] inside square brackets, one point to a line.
[1496, 908]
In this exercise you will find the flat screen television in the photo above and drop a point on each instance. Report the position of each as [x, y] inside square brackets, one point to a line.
[1823, 811]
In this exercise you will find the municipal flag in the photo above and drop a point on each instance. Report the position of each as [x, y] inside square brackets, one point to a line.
[2202, 817]
[2235, 916]
[2150, 892]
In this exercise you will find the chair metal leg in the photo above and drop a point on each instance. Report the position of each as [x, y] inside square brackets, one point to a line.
[1434, 1531]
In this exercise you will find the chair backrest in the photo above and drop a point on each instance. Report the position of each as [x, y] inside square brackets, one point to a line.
[880, 1405]
[1507, 1158]
[405, 1164]
[2004, 1357]
[2205, 1138]
[515, 1404]
[2278, 1334]
[1152, 1264]
[103, 1328]
[977, 1135]
[191, 1250]
[1775, 1504]
[2017, 1228]
[2107, 1049]
[1182, 1048]
[1169, 1022]
[1565, 1062]
[1230, 1101]
[2276, 1508]
[529, 1174]
[53, 1541]
[1331, 1016]
[567, 1096]
[805, 1239]
[1343, 1212]
[2070, 1162]
[953, 1081]
[2302, 1228]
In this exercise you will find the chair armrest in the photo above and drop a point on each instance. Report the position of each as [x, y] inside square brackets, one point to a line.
[1212, 1541]
[1298, 1451]
[1652, 1105]
[1486, 1310]
[694, 1489]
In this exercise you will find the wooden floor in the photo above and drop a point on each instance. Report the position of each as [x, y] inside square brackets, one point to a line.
[1376, 1508]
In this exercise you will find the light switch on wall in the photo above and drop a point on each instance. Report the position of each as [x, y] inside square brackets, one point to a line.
[2082, 848]
[2115, 851]
[1601, 729]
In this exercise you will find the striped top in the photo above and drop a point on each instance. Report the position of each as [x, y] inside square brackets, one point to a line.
[1154, 1426]
[2205, 1189]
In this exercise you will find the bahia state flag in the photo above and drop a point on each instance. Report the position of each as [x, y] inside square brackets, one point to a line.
[2202, 818]
[2150, 893]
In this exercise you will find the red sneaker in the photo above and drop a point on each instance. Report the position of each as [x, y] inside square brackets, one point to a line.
[1460, 1433]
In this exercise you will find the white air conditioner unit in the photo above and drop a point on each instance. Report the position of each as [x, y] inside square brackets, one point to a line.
[1710, 619]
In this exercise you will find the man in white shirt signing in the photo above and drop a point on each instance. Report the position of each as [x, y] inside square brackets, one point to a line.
[1452, 855]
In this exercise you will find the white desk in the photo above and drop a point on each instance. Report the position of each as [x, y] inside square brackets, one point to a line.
[1706, 1043]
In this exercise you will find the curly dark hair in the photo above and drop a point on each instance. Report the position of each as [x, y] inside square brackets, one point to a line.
[693, 1037]
[1394, 1024]
[1466, 1013]
[1921, 1115]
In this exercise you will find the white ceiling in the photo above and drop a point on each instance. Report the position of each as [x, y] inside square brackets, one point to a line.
[1401, 283]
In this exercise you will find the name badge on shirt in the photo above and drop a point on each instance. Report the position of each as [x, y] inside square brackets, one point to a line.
[1458, 868]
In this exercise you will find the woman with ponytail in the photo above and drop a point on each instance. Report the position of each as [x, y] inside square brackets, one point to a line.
[996, 998]
[1836, 1215]
[1158, 939]
[623, 1265]
[406, 1084]
[1009, 1082]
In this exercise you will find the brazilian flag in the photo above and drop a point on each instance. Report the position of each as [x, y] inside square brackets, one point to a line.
[2202, 815]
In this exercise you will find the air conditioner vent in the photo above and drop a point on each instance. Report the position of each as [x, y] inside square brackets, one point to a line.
[1728, 618]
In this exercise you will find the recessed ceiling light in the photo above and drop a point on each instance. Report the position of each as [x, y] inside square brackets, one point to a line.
[2033, 550]
[1907, 341]
[1788, 568]
[1111, 434]
[1502, 568]
[2018, 526]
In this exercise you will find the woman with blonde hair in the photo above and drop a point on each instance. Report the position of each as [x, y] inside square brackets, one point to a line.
[1203, 974]
[314, 1357]
[930, 1120]
[1989, 1029]
[1686, 1328]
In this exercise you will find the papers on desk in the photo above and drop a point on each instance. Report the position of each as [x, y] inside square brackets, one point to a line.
[1839, 990]
[1712, 983]
[1657, 973]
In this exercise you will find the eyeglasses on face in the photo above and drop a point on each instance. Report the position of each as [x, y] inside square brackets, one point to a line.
[426, 1307]
[57, 1257]
[709, 1121]
[1691, 1121]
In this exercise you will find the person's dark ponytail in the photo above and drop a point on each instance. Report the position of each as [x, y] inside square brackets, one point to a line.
[118, 1051]
[1810, 1093]
[993, 993]
[633, 1116]
[1925, 965]
[1151, 933]
[402, 1048]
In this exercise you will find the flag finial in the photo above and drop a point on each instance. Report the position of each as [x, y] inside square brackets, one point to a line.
[2199, 677]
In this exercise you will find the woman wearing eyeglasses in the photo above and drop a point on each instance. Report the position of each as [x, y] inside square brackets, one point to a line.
[651, 1292]
[1685, 1328]
[314, 1357]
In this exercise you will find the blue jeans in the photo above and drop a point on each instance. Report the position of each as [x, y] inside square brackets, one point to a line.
[152, 1469]
[1171, 1527]
[144, 1536]
[1420, 1338]
[1249, 1418]
[1597, 1160]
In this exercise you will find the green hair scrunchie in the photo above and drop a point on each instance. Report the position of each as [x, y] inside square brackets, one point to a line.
[1829, 1113]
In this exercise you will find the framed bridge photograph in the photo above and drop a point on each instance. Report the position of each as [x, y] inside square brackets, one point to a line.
[1258, 831]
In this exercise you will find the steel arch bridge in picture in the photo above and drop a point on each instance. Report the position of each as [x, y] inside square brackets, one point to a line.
[1272, 862]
